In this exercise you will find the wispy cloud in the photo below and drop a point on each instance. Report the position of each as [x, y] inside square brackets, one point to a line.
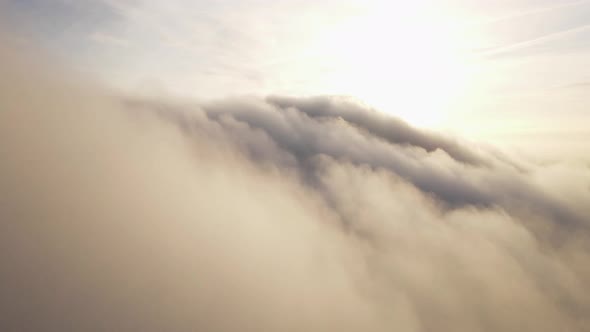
[507, 49]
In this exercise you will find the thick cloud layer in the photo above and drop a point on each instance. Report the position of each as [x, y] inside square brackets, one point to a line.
[291, 137]
[277, 214]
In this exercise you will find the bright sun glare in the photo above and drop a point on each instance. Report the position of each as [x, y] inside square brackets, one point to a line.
[406, 64]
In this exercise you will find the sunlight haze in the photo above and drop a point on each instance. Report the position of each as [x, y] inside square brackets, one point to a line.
[295, 165]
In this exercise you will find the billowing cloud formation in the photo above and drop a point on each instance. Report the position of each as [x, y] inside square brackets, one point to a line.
[283, 214]
[291, 133]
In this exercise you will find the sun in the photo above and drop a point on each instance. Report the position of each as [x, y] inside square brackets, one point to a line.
[406, 64]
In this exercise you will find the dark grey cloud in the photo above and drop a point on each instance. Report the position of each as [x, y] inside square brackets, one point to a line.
[291, 136]
[271, 215]
[378, 124]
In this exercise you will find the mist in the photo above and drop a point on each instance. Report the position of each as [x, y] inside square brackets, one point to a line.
[271, 214]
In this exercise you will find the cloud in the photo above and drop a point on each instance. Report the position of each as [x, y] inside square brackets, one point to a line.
[301, 214]
[537, 42]
[388, 128]
[290, 133]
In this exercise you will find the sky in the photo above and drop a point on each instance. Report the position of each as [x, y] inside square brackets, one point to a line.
[294, 166]
[469, 67]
